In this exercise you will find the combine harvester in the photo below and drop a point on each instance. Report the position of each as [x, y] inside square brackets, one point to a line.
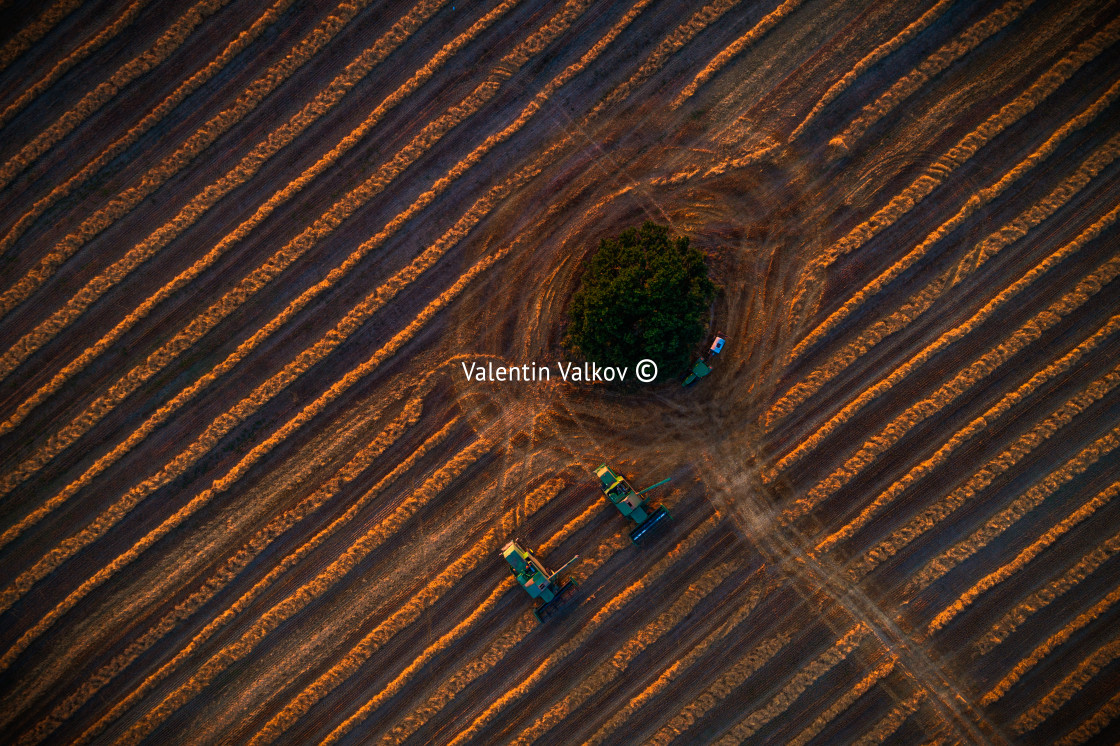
[631, 503]
[703, 366]
[537, 581]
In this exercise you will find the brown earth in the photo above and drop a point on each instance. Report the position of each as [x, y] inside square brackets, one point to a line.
[248, 495]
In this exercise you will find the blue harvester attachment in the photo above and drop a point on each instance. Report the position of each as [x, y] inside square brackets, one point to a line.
[631, 503]
[537, 581]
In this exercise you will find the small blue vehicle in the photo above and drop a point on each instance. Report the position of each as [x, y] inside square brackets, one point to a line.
[704, 367]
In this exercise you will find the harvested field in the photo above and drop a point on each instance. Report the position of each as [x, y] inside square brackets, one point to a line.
[248, 495]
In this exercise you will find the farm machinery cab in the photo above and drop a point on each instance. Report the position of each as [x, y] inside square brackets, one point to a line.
[537, 581]
[631, 503]
[703, 365]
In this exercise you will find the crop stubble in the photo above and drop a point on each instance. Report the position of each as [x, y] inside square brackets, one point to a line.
[952, 472]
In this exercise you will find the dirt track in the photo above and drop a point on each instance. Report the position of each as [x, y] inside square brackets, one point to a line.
[248, 495]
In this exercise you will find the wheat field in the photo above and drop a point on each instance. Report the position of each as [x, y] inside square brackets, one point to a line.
[248, 496]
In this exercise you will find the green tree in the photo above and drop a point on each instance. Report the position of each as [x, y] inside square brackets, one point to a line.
[643, 295]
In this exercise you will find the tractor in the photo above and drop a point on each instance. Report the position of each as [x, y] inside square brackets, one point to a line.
[703, 365]
[538, 582]
[631, 503]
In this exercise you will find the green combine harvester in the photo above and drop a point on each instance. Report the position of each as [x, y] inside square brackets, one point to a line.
[631, 503]
[537, 581]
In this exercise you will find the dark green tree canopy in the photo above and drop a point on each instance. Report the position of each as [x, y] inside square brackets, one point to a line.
[643, 295]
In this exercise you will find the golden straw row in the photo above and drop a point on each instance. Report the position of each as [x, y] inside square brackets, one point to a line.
[161, 110]
[846, 700]
[100, 407]
[607, 672]
[928, 69]
[937, 172]
[1059, 638]
[1093, 725]
[122, 21]
[735, 48]
[211, 436]
[1028, 501]
[181, 464]
[723, 685]
[200, 204]
[999, 575]
[103, 574]
[123, 203]
[796, 686]
[527, 682]
[248, 286]
[300, 597]
[527, 505]
[252, 549]
[360, 654]
[1085, 671]
[495, 653]
[486, 662]
[922, 301]
[22, 40]
[257, 505]
[289, 561]
[1043, 597]
[168, 42]
[888, 47]
[570, 528]
[279, 381]
[682, 664]
[403, 617]
[184, 277]
[224, 424]
[964, 380]
[892, 721]
[669, 46]
[1013, 454]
